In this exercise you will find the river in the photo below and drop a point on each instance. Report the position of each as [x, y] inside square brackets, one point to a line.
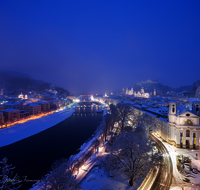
[34, 155]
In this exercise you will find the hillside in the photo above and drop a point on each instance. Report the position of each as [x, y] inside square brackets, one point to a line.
[13, 82]
[149, 86]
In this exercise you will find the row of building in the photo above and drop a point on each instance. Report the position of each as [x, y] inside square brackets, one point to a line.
[178, 123]
[14, 111]
[177, 120]
[140, 93]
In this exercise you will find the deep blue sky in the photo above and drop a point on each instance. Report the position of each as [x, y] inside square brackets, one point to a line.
[97, 46]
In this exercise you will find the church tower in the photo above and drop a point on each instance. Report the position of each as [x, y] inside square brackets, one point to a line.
[131, 92]
[154, 92]
[127, 91]
[21, 96]
[142, 90]
[172, 112]
[196, 107]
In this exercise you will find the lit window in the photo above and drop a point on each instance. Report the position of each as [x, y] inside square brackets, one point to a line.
[187, 122]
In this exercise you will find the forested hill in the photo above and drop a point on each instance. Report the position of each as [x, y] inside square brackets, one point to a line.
[13, 82]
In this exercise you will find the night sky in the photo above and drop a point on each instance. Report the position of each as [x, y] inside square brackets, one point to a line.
[98, 46]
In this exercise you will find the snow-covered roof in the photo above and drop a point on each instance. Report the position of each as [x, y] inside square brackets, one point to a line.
[196, 102]
[173, 101]
[183, 110]
[12, 103]
[41, 102]
[193, 99]
[9, 109]
[32, 104]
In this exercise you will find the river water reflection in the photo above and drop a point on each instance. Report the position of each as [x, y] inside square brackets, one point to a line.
[34, 155]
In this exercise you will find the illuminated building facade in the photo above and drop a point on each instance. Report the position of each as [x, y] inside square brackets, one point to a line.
[33, 108]
[1, 118]
[15, 105]
[129, 92]
[11, 115]
[154, 92]
[141, 94]
[184, 125]
[21, 96]
[45, 106]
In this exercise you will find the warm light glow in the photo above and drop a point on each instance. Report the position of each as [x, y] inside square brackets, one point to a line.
[31, 117]
[92, 98]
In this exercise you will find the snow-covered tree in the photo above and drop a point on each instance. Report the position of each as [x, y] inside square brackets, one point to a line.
[107, 125]
[8, 181]
[60, 177]
[131, 154]
[122, 112]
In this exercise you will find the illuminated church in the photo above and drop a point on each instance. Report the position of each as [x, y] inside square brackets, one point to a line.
[129, 92]
[184, 125]
[141, 94]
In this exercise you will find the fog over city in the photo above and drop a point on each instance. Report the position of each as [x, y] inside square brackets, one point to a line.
[99, 46]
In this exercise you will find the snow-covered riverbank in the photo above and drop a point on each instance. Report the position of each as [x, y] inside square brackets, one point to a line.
[83, 150]
[32, 127]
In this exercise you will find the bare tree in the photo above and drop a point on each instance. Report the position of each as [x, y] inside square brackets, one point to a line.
[60, 177]
[125, 112]
[7, 181]
[148, 121]
[131, 154]
[108, 125]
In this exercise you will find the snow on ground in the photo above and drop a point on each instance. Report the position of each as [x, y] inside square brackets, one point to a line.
[98, 180]
[196, 164]
[176, 188]
[194, 178]
[32, 127]
[84, 148]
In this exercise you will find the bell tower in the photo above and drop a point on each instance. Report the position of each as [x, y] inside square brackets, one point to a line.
[172, 112]
[131, 92]
[126, 90]
[172, 108]
[196, 107]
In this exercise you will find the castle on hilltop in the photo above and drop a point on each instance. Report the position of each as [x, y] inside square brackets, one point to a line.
[147, 81]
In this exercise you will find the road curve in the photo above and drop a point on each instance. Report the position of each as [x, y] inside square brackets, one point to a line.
[165, 173]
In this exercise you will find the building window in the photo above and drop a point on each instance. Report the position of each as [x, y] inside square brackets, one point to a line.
[197, 108]
[173, 109]
[187, 133]
[194, 135]
[187, 122]
[181, 134]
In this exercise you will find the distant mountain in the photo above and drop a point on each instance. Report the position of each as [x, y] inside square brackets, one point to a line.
[13, 82]
[149, 86]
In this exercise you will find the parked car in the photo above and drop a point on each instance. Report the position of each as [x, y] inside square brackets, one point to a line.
[186, 159]
[195, 171]
[186, 180]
